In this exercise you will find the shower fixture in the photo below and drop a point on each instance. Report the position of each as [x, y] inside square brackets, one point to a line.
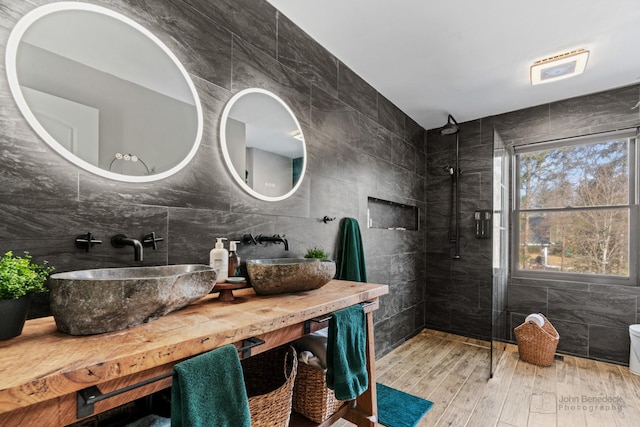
[452, 128]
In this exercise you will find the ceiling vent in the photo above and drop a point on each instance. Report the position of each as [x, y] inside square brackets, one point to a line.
[559, 67]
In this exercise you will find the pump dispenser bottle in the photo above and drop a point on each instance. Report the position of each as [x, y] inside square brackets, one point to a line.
[234, 260]
[219, 260]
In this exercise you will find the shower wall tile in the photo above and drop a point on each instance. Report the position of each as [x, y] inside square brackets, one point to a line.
[298, 51]
[465, 292]
[390, 116]
[415, 134]
[404, 155]
[470, 193]
[471, 322]
[595, 113]
[522, 126]
[407, 267]
[476, 158]
[356, 92]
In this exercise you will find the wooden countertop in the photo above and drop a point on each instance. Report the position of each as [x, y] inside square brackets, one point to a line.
[43, 363]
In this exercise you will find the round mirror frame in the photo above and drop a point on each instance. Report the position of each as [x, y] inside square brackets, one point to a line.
[227, 157]
[12, 75]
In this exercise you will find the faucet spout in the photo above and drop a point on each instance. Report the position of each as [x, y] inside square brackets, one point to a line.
[276, 238]
[120, 241]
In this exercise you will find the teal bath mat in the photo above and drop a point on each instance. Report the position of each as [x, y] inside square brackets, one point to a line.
[399, 409]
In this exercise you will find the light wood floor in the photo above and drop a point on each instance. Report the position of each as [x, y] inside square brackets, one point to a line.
[452, 371]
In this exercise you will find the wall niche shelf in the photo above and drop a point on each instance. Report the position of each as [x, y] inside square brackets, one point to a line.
[388, 215]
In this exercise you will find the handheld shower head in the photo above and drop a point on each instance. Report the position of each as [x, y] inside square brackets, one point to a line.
[451, 127]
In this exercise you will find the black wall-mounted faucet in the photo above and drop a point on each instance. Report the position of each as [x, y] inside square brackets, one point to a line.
[120, 241]
[276, 238]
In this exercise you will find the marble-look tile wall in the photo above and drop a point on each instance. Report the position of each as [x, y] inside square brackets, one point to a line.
[359, 145]
[592, 319]
[458, 291]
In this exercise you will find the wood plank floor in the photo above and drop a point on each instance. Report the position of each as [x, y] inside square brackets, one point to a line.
[453, 371]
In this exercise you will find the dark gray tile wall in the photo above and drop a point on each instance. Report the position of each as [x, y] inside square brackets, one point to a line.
[592, 319]
[359, 145]
[458, 291]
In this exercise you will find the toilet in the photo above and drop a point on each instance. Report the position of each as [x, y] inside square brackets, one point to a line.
[634, 353]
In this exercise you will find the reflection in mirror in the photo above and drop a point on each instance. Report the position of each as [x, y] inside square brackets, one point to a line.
[263, 144]
[103, 92]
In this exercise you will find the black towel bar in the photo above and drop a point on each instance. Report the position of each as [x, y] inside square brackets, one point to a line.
[90, 395]
[307, 323]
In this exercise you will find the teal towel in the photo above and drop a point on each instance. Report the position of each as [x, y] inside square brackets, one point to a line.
[209, 390]
[347, 353]
[352, 265]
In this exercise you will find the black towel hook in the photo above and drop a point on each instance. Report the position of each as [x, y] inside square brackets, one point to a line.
[326, 219]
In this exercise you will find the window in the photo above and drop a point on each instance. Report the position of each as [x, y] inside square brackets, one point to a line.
[575, 207]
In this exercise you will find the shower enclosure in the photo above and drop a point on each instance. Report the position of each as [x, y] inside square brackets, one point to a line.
[500, 257]
[453, 169]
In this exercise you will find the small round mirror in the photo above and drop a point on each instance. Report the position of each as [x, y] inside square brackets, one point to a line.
[263, 144]
[103, 92]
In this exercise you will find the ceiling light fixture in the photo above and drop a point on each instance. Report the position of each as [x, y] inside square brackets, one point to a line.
[297, 135]
[559, 67]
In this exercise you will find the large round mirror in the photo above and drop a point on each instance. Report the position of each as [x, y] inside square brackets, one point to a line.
[103, 92]
[263, 144]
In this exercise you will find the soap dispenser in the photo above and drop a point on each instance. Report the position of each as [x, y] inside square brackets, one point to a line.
[219, 260]
[234, 260]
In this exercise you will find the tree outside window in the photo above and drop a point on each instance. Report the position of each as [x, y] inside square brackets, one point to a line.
[575, 206]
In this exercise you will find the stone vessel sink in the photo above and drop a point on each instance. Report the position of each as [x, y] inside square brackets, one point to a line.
[86, 302]
[288, 275]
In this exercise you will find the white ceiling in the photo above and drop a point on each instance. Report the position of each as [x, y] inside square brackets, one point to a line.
[471, 58]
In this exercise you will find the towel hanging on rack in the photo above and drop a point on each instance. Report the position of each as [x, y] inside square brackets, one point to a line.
[209, 390]
[352, 265]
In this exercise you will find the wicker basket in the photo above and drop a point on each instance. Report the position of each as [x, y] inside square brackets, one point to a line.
[311, 397]
[535, 344]
[269, 379]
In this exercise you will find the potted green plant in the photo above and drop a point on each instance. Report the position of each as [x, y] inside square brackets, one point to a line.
[19, 279]
[316, 252]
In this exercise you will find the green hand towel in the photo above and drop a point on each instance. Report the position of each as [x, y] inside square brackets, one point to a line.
[347, 353]
[352, 265]
[209, 390]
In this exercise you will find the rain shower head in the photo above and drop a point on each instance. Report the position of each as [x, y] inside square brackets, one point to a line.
[451, 127]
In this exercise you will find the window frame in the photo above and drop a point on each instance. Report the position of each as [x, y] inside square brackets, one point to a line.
[631, 135]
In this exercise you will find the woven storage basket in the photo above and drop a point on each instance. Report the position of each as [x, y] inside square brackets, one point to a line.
[535, 344]
[311, 397]
[269, 379]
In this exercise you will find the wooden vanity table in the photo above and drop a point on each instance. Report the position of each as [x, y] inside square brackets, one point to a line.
[48, 378]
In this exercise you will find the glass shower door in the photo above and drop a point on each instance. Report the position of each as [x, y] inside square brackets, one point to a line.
[500, 232]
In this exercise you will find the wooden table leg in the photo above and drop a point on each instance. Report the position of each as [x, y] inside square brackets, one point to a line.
[365, 412]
